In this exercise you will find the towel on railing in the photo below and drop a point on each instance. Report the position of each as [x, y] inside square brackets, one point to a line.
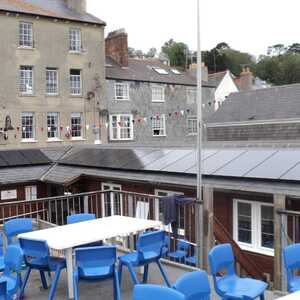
[170, 209]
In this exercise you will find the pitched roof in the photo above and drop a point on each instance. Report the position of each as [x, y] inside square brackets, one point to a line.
[47, 8]
[142, 70]
[275, 103]
[216, 78]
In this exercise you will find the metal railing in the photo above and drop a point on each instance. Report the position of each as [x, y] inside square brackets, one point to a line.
[105, 203]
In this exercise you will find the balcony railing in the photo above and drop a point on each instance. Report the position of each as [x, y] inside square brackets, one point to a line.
[55, 210]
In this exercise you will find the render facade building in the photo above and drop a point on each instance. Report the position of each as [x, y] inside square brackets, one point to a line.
[149, 102]
[52, 75]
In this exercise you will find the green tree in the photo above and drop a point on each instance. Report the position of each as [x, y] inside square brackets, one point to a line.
[177, 53]
[151, 53]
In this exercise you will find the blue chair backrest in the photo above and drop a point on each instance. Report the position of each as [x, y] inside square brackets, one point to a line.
[150, 244]
[1, 244]
[80, 218]
[194, 285]
[3, 290]
[13, 260]
[35, 249]
[17, 226]
[95, 256]
[183, 245]
[291, 259]
[150, 292]
[167, 241]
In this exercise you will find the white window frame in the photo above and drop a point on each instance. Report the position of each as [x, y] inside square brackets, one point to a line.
[77, 116]
[75, 40]
[8, 195]
[161, 128]
[189, 92]
[191, 127]
[255, 246]
[28, 115]
[124, 86]
[75, 90]
[116, 127]
[154, 93]
[26, 79]
[114, 187]
[30, 192]
[54, 115]
[52, 81]
[168, 193]
[25, 35]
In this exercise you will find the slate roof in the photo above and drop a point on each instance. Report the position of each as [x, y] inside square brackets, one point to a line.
[275, 103]
[47, 8]
[216, 78]
[142, 70]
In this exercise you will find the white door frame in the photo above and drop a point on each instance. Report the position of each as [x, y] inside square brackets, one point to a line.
[111, 186]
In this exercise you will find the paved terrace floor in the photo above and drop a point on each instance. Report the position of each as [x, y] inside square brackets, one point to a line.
[104, 290]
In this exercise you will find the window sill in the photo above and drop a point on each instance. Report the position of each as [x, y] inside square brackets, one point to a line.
[158, 101]
[26, 48]
[76, 96]
[267, 252]
[121, 140]
[28, 141]
[54, 141]
[76, 139]
[52, 95]
[26, 95]
[164, 135]
[75, 52]
[127, 99]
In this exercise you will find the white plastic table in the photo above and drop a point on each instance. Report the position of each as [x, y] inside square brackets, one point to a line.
[62, 239]
[292, 296]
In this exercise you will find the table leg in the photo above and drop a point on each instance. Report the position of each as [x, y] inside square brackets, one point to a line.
[69, 261]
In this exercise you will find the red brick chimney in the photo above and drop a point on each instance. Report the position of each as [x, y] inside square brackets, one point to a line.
[246, 80]
[116, 46]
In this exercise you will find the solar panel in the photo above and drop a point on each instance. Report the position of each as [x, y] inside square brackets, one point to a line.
[277, 165]
[3, 163]
[35, 156]
[245, 162]
[183, 164]
[14, 158]
[167, 160]
[135, 160]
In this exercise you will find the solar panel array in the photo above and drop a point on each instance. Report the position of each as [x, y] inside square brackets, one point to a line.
[263, 163]
[27, 157]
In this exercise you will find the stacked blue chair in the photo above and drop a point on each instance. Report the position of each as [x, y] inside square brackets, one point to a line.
[14, 227]
[194, 286]
[150, 292]
[149, 249]
[191, 260]
[292, 263]
[181, 252]
[37, 257]
[1, 253]
[230, 286]
[3, 290]
[96, 263]
[166, 247]
[12, 273]
[76, 218]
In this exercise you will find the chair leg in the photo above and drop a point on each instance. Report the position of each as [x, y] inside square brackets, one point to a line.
[25, 283]
[43, 279]
[54, 283]
[133, 275]
[145, 276]
[262, 296]
[75, 285]
[120, 270]
[117, 292]
[163, 273]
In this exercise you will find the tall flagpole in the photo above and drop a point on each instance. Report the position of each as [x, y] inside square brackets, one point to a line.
[199, 206]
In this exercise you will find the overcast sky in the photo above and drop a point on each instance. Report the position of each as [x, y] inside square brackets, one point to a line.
[246, 25]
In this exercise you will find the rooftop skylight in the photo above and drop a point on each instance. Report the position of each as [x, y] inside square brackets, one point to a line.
[161, 71]
[175, 71]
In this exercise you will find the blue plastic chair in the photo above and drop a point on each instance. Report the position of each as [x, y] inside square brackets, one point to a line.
[76, 218]
[151, 291]
[230, 286]
[181, 252]
[149, 249]
[96, 263]
[166, 247]
[3, 290]
[37, 257]
[12, 273]
[14, 227]
[1, 253]
[191, 260]
[292, 262]
[194, 286]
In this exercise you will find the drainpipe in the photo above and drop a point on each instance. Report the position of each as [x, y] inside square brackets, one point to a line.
[199, 206]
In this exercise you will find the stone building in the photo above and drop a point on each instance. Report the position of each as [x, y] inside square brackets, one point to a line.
[148, 102]
[52, 73]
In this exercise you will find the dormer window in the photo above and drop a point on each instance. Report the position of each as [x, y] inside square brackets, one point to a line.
[75, 40]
